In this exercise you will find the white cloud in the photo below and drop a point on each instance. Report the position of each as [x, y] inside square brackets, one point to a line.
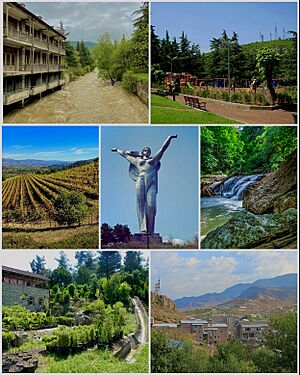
[197, 273]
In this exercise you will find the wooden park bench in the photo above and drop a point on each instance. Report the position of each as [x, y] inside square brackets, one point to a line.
[193, 101]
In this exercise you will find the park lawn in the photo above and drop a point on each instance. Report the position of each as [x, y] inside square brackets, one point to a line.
[165, 111]
[95, 361]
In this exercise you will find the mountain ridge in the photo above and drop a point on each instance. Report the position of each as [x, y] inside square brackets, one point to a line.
[237, 291]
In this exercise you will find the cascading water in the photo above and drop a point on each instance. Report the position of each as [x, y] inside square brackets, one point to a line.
[234, 187]
[227, 201]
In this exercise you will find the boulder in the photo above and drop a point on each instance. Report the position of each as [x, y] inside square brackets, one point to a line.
[263, 196]
[208, 180]
[247, 231]
[82, 319]
[289, 200]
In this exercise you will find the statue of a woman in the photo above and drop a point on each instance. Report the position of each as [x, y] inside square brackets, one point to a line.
[143, 170]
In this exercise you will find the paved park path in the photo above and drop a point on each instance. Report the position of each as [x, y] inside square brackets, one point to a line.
[247, 116]
[87, 100]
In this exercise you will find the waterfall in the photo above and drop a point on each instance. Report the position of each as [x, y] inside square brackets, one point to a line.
[234, 187]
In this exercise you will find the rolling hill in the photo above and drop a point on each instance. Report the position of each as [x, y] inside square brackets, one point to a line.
[12, 163]
[280, 288]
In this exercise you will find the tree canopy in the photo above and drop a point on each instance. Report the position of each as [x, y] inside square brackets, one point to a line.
[245, 149]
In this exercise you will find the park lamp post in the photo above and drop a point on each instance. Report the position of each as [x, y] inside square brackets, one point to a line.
[177, 58]
[226, 42]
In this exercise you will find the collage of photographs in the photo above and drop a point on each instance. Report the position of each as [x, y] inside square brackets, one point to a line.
[149, 176]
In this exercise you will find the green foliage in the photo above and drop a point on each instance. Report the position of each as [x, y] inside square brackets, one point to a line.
[277, 354]
[266, 60]
[8, 339]
[38, 265]
[19, 318]
[119, 233]
[140, 38]
[125, 59]
[245, 149]
[131, 80]
[70, 208]
[109, 263]
[65, 320]
[70, 340]
[283, 341]
[97, 361]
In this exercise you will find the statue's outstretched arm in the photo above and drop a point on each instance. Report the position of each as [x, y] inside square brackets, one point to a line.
[163, 148]
[126, 154]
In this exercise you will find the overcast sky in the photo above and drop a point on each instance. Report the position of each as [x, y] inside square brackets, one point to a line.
[189, 273]
[88, 21]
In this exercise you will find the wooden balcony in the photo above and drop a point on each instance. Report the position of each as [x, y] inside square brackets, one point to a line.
[13, 34]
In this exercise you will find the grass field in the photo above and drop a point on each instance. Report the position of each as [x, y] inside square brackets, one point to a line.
[71, 238]
[165, 111]
[94, 361]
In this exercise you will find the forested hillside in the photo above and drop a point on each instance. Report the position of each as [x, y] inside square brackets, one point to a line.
[245, 150]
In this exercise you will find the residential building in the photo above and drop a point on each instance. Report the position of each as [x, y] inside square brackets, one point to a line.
[202, 330]
[33, 55]
[24, 288]
[250, 331]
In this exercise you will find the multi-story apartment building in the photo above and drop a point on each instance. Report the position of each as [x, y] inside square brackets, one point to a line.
[202, 330]
[33, 55]
[24, 288]
[247, 331]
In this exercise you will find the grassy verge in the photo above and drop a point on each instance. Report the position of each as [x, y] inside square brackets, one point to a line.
[76, 238]
[94, 361]
[165, 111]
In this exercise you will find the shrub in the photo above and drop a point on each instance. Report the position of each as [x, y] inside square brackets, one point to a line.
[130, 81]
[8, 339]
[203, 93]
[64, 320]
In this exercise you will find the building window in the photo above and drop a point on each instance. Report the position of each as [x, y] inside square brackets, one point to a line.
[31, 301]
[41, 301]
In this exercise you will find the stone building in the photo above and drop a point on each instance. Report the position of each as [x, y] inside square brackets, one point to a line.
[250, 332]
[33, 55]
[24, 288]
[202, 330]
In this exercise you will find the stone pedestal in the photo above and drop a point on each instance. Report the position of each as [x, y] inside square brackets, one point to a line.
[154, 238]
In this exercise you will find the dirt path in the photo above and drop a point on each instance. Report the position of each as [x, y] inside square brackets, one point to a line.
[245, 115]
[88, 100]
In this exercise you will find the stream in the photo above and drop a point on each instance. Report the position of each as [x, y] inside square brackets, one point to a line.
[228, 201]
[87, 100]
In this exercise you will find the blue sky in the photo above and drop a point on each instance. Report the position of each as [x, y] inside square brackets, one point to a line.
[188, 273]
[67, 143]
[203, 21]
[177, 200]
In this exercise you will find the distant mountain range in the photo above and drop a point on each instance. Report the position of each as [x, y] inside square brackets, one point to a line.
[278, 288]
[88, 44]
[30, 163]
[11, 163]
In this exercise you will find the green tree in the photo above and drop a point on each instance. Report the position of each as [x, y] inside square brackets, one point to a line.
[70, 208]
[283, 340]
[38, 265]
[266, 60]
[133, 261]
[109, 262]
[63, 260]
[104, 56]
[140, 37]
